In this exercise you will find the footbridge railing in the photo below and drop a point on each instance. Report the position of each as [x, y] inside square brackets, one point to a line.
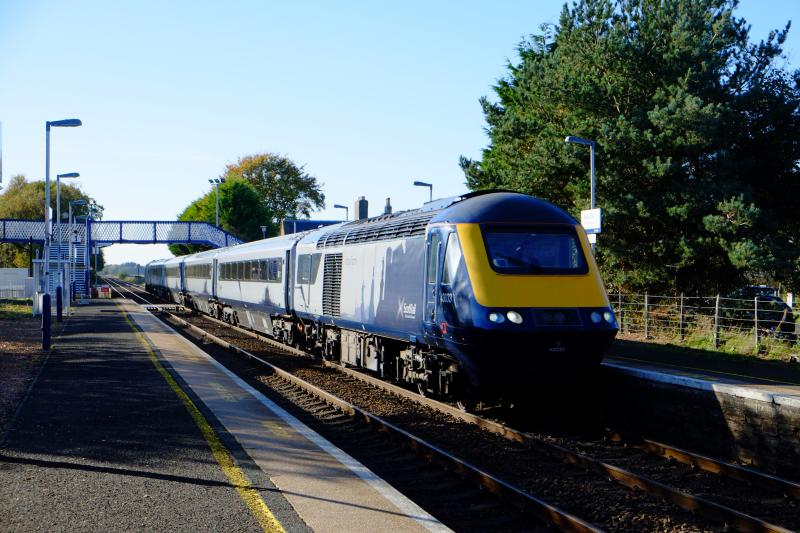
[103, 232]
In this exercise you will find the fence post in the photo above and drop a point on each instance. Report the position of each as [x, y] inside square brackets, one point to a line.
[620, 313]
[755, 319]
[680, 321]
[646, 316]
[716, 323]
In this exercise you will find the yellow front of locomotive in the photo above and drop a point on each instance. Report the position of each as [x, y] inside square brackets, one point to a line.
[537, 301]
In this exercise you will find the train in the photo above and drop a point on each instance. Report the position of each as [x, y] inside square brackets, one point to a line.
[465, 297]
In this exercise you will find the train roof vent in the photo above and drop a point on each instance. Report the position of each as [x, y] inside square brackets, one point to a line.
[383, 228]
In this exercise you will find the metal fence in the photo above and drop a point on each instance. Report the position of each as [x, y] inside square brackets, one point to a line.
[717, 318]
[12, 292]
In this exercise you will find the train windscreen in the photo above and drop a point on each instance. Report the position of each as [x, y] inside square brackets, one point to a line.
[534, 250]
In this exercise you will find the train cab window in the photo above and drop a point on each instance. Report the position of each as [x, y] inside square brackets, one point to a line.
[535, 251]
[452, 259]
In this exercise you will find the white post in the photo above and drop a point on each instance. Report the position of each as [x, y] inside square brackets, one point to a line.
[47, 209]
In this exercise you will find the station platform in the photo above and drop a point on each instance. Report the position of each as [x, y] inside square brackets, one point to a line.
[739, 376]
[132, 427]
[738, 407]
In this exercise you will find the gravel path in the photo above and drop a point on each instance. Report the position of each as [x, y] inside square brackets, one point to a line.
[21, 355]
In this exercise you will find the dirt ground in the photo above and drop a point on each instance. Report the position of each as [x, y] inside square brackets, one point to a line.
[20, 358]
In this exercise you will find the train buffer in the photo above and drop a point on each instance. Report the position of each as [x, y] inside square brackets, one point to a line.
[132, 427]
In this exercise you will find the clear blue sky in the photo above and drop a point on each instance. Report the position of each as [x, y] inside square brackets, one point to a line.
[369, 96]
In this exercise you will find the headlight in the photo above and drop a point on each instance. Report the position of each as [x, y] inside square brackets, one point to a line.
[497, 318]
[596, 318]
[609, 316]
[514, 317]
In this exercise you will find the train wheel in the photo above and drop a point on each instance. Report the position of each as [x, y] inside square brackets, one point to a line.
[466, 405]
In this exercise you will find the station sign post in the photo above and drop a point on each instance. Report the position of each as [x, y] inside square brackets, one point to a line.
[592, 221]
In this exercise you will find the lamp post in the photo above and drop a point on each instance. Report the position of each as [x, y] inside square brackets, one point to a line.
[72, 259]
[70, 253]
[428, 185]
[346, 211]
[216, 182]
[570, 139]
[59, 177]
[586, 142]
[67, 123]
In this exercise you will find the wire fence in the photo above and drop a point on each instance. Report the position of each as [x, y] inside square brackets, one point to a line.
[714, 318]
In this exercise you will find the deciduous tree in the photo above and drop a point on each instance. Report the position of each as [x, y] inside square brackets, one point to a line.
[285, 187]
[241, 213]
[24, 199]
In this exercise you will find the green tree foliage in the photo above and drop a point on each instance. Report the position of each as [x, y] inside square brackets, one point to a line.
[241, 213]
[697, 133]
[23, 199]
[287, 190]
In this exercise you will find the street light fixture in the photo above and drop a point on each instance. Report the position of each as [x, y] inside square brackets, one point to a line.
[67, 123]
[346, 210]
[58, 225]
[428, 185]
[216, 182]
[586, 142]
[571, 139]
[72, 258]
[59, 177]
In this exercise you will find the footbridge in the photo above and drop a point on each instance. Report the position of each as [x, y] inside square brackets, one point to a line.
[71, 245]
[106, 232]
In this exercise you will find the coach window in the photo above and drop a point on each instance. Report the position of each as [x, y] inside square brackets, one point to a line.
[275, 269]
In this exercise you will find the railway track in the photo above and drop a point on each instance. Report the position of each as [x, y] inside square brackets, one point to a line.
[589, 478]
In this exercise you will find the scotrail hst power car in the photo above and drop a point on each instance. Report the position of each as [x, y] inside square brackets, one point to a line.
[465, 297]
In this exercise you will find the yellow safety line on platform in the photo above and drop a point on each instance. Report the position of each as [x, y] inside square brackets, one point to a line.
[235, 475]
[734, 374]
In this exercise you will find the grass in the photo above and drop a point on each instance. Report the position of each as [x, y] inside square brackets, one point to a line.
[15, 308]
[736, 343]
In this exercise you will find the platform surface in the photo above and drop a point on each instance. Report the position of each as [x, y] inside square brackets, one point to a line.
[104, 442]
[772, 382]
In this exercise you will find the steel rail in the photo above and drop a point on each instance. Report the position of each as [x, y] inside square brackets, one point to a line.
[738, 520]
[714, 466]
[528, 502]
[546, 512]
